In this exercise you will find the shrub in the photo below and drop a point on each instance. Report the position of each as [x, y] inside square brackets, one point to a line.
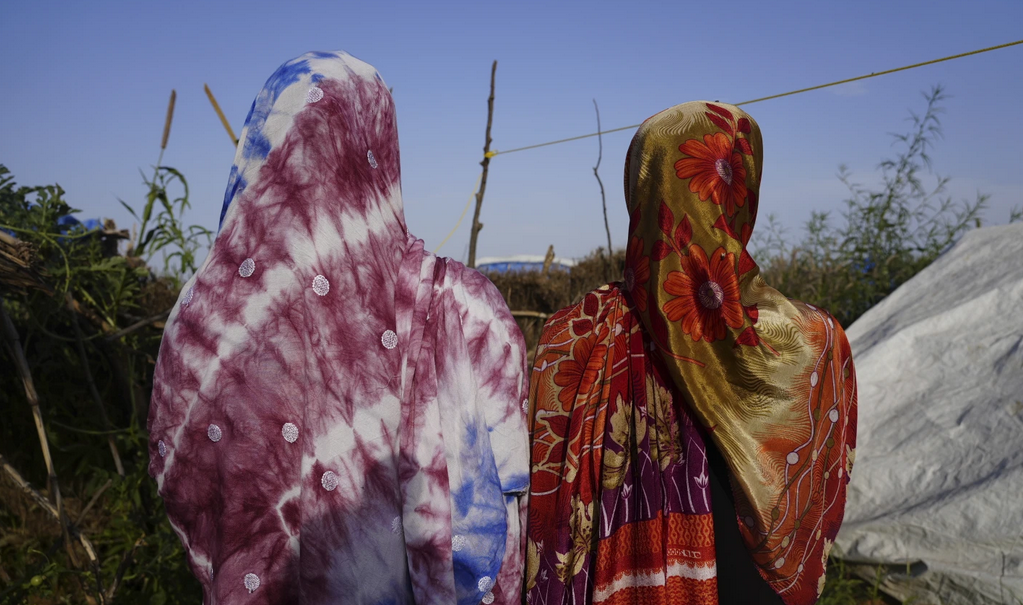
[88, 322]
[887, 233]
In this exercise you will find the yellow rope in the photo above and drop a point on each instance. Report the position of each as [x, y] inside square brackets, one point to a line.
[464, 210]
[492, 153]
[784, 94]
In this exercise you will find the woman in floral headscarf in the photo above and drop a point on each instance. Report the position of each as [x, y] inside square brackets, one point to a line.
[639, 386]
[337, 413]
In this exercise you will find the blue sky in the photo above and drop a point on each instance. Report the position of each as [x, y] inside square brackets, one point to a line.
[86, 88]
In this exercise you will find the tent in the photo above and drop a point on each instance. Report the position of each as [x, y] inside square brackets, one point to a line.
[936, 497]
[521, 262]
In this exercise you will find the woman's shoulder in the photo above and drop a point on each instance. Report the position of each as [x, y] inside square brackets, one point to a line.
[592, 309]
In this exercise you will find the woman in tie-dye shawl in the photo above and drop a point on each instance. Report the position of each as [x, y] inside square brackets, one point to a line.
[337, 414]
[638, 387]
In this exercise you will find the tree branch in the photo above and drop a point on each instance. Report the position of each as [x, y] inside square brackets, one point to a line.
[123, 567]
[603, 198]
[476, 224]
[537, 314]
[92, 386]
[137, 326]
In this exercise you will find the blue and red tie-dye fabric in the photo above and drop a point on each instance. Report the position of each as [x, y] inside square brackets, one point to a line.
[337, 413]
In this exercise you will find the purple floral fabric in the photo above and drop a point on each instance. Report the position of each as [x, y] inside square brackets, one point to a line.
[337, 413]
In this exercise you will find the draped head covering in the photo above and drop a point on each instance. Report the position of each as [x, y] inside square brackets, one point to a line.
[692, 345]
[337, 413]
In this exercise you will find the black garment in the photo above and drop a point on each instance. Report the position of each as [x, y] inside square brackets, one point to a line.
[739, 582]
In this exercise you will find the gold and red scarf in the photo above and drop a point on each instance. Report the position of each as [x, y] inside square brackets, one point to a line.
[692, 335]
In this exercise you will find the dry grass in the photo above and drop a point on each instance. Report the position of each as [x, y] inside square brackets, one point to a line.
[547, 294]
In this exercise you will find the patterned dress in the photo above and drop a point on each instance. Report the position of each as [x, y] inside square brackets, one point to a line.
[633, 383]
[337, 414]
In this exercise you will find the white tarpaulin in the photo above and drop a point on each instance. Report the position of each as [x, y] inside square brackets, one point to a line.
[938, 479]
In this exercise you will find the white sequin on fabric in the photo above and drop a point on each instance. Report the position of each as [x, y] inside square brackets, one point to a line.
[329, 481]
[488, 598]
[389, 339]
[213, 432]
[290, 432]
[395, 525]
[485, 584]
[247, 268]
[161, 447]
[251, 582]
[458, 542]
[780, 562]
[320, 285]
[813, 379]
[792, 458]
[315, 94]
[833, 415]
[371, 158]
[188, 296]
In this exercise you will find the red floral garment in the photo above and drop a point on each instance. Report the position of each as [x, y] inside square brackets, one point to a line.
[606, 525]
[769, 379]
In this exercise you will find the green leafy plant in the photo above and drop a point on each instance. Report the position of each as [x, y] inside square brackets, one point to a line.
[178, 244]
[888, 233]
[85, 320]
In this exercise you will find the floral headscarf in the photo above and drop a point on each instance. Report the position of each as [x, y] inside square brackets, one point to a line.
[768, 379]
[337, 414]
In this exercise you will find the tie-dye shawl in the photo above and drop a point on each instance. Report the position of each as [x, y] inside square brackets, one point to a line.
[337, 413]
[770, 381]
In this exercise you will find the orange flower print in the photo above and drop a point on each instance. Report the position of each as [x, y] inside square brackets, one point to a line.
[577, 374]
[716, 170]
[637, 272]
[706, 294]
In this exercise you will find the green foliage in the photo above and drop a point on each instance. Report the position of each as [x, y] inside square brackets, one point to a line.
[83, 270]
[887, 235]
[179, 245]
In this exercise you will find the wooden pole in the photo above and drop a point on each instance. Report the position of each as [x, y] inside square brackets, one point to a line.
[603, 198]
[548, 260]
[476, 224]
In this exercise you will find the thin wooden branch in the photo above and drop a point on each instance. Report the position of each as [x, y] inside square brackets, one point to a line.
[603, 198]
[123, 567]
[536, 314]
[548, 260]
[92, 501]
[96, 320]
[476, 224]
[137, 326]
[13, 342]
[92, 386]
[45, 504]
[27, 487]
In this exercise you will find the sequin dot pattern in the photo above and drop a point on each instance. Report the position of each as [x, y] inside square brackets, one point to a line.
[290, 348]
